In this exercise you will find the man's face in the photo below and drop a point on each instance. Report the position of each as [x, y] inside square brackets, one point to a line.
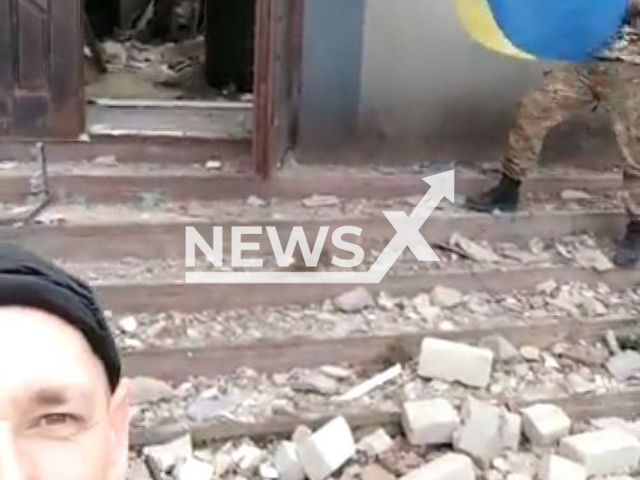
[58, 419]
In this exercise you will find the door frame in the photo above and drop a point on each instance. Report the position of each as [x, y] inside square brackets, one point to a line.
[266, 106]
[63, 36]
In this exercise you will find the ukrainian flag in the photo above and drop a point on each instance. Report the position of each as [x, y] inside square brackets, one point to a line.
[570, 30]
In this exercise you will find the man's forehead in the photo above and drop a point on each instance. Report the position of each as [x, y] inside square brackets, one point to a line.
[37, 348]
[36, 325]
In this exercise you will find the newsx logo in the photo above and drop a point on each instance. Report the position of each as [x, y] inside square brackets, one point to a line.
[407, 236]
[283, 256]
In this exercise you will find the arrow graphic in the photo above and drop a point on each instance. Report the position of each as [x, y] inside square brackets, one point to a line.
[407, 235]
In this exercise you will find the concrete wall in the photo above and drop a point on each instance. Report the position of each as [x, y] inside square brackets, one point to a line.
[331, 71]
[410, 81]
[424, 82]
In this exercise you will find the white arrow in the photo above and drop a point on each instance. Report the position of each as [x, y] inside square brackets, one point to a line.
[408, 227]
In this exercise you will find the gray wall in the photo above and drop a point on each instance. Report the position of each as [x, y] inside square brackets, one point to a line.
[403, 76]
[332, 55]
[424, 82]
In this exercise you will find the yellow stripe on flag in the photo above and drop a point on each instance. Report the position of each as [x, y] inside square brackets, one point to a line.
[477, 18]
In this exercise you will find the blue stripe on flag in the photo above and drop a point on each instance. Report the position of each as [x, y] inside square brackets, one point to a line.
[573, 30]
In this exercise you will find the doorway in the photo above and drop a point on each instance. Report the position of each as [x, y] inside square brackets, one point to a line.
[180, 68]
[60, 79]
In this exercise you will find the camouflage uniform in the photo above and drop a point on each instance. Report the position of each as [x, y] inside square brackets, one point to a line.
[612, 83]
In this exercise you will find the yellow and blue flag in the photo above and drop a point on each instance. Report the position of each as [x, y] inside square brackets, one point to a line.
[570, 30]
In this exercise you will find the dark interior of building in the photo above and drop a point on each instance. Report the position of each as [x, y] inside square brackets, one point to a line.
[172, 49]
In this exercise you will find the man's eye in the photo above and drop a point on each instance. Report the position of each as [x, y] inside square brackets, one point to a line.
[57, 419]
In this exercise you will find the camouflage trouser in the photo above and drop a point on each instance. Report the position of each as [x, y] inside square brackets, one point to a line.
[572, 89]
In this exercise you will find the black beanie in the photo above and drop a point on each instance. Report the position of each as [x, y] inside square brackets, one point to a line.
[30, 281]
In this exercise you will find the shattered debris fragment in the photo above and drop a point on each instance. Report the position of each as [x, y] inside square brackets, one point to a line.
[558, 468]
[376, 443]
[430, 422]
[483, 434]
[624, 365]
[287, 463]
[473, 250]
[316, 201]
[372, 383]
[544, 424]
[354, 300]
[147, 390]
[213, 165]
[445, 297]
[451, 466]
[604, 452]
[469, 365]
[315, 382]
[327, 449]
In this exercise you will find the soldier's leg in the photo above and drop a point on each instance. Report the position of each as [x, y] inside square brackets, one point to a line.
[562, 93]
[624, 104]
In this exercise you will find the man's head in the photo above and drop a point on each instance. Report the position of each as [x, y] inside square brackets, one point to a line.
[63, 407]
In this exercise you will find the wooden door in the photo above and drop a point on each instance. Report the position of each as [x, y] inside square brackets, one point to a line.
[41, 44]
[277, 80]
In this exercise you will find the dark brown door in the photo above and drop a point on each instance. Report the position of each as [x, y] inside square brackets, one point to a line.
[277, 80]
[41, 45]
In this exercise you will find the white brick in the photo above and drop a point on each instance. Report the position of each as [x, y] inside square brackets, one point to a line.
[480, 434]
[603, 452]
[194, 469]
[511, 429]
[452, 466]
[452, 361]
[519, 476]
[545, 424]
[169, 454]
[376, 443]
[327, 449]
[429, 422]
[557, 468]
[287, 463]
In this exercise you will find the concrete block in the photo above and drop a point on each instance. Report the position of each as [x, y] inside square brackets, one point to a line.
[287, 463]
[169, 454]
[480, 434]
[545, 424]
[194, 469]
[603, 452]
[624, 365]
[557, 468]
[511, 430]
[445, 297]
[519, 476]
[429, 422]
[248, 458]
[376, 443]
[327, 449]
[452, 466]
[451, 361]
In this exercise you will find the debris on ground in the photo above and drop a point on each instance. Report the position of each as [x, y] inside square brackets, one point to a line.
[316, 201]
[106, 161]
[213, 165]
[372, 383]
[574, 195]
[254, 201]
[354, 300]
[469, 365]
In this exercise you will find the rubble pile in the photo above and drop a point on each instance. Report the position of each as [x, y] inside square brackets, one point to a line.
[358, 312]
[452, 425]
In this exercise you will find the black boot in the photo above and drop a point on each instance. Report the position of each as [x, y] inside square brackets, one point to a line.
[628, 253]
[504, 196]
